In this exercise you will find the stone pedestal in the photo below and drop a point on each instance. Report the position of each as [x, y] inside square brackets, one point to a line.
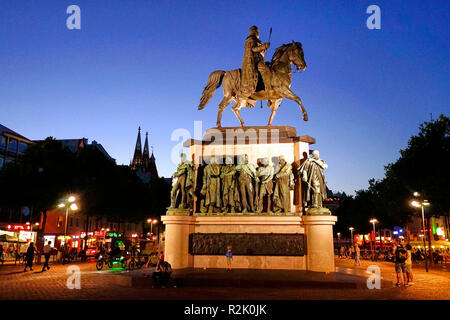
[176, 247]
[290, 241]
[318, 230]
[319, 239]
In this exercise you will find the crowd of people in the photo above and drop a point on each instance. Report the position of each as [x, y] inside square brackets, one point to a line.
[401, 253]
[387, 254]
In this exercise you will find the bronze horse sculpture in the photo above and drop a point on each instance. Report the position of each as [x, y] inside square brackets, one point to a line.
[280, 65]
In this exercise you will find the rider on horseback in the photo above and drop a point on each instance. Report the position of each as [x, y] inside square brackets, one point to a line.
[252, 63]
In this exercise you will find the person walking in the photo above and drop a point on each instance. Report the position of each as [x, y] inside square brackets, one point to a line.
[357, 255]
[29, 257]
[47, 250]
[229, 256]
[408, 264]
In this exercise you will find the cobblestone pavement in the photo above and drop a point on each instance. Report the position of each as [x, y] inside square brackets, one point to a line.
[106, 284]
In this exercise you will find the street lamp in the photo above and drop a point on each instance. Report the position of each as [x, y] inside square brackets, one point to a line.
[339, 238]
[373, 221]
[69, 203]
[351, 232]
[152, 222]
[31, 226]
[421, 205]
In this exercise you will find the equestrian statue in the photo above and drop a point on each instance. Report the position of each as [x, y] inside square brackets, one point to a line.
[257, 79]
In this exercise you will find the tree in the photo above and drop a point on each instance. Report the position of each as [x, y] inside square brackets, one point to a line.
[47, 173]
[422, 167]
[37, 179]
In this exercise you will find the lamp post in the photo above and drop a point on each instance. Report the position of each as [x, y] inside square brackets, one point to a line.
[351, 233]
[421, 205]
[339, 238]
[68, 203]
[373, 221]
[152, 222]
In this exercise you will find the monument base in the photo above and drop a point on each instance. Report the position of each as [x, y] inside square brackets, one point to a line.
[271, 242]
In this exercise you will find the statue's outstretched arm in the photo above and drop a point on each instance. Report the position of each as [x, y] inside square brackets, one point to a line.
[261, 47]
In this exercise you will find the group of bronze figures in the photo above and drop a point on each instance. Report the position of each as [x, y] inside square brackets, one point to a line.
[243, 188]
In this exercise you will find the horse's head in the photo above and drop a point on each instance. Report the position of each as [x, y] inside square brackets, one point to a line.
[296, 56]
[290, 53]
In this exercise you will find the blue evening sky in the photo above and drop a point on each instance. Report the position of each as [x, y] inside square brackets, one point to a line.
[145, 63]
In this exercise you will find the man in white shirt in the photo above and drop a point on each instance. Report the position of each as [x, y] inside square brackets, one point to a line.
[47, 251]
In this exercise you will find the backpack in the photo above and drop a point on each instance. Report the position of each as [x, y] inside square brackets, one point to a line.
[400, 254]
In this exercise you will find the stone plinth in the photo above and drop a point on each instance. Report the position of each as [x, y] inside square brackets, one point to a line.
[319, 239]
[290, 241]
[176, 245]
[318, 230]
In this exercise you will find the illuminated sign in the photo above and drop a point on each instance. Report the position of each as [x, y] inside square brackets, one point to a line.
[99, 233]
[17, 227]
[26, 236]
[83, 235]
[51, 239]
[134, 235]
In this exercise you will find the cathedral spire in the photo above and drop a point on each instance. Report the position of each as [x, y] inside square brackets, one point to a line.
[146, 154]
[137, 158]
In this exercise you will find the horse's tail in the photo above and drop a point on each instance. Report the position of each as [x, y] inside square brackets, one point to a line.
[214, 81]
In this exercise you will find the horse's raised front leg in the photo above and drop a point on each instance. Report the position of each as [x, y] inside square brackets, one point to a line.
[222, 105]
[291, 96]
[238, 106]
[275, 106]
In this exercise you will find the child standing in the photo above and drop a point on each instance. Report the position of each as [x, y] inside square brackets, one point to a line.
[229, 256]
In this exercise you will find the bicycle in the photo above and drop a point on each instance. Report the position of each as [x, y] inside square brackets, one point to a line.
[137, 262]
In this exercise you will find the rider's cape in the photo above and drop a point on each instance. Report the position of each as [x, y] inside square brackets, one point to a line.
[249, 72]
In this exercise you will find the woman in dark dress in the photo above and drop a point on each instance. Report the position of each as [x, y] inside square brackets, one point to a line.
[29, 257]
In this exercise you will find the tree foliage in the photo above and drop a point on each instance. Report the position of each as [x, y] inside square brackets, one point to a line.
[422, 167]
[47, 173]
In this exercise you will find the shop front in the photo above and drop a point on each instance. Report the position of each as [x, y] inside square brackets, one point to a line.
[15, 238]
